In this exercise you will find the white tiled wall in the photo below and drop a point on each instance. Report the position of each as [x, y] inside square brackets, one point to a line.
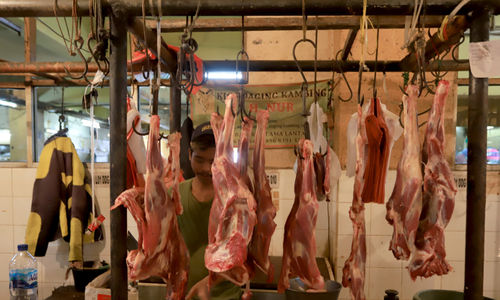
[286, 197]
[383, 271]
[16, 187]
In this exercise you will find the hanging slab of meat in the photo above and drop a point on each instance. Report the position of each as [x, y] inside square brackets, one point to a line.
[258, 254]
[173, 170]
[299, 245]
[320, 170]
[161, 248]
[246, 131]
[378, 139]
[354, 268]
[395, 131]
[405, 204]
[232, 216]
[438, 196]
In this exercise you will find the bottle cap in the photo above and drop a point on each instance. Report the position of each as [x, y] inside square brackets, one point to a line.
[22, 247]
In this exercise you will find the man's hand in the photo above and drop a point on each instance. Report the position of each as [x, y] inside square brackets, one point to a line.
[200, 289]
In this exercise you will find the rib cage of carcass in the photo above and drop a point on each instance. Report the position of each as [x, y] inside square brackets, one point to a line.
[161, 248]
[232, 216]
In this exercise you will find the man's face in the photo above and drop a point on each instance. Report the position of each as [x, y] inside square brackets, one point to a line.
[201, 163]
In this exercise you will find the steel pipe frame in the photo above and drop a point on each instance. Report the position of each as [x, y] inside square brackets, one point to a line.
[288, 23]
[118, 150]
[36, 8]
[476, 172]
[254, 66]
[476, 168]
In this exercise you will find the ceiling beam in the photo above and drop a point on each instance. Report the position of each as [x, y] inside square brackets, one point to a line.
[254, 66]
[287, 23]
[349, 41]
[436, 45]
[37, 8]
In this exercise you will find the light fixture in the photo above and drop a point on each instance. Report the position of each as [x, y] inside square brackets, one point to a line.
[4, 136]
[88, 123]
[8, 103]
[51, 131]
[224, 75]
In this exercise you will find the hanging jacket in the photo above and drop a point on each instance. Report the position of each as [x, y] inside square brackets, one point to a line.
[62, 201]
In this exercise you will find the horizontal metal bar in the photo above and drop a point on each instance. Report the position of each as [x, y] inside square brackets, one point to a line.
[255, 66]
[491, 81]
[287, 23]
[37, 8]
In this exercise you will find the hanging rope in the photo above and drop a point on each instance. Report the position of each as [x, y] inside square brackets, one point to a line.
[316, 60]
[375, 68]
[68, 42]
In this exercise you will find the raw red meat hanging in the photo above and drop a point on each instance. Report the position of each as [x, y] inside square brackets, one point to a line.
[161, 248]
[258, 254]
[232, 216]
[405, 204]
[299, 245]
[438, 195]
[246, 132]
[354, 268]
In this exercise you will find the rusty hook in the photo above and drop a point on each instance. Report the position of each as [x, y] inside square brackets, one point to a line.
[243, 111]
[78, 51]
[296, 150]
[134, 123]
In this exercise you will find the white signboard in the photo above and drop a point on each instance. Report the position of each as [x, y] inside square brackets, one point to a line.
[274, 179]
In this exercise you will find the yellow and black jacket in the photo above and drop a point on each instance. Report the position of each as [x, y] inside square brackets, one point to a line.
[62, 201]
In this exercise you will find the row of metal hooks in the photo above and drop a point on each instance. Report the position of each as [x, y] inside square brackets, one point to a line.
[75, 43]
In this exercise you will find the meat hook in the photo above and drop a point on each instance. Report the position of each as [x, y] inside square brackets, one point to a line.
[341, 67]
[296, 150]
[243, 111]
[232, 109]
[418, 114]
[134, 123]
[96, 54]
[323, 154]
[78, 46]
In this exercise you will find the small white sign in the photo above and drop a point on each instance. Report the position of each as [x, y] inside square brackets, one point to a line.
[461, 182]
[101, 179]
[274, 179]
[484, 59]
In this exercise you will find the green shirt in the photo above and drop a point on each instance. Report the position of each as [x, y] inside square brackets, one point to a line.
[193, 224]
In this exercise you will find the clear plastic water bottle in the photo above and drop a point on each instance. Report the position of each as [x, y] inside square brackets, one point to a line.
[23, 275]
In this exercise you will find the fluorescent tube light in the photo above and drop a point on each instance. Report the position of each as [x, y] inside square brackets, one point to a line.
[8, 103]
[224, 75]
[88, 123]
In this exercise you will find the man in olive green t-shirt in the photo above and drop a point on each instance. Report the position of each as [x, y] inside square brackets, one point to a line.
[197, 195]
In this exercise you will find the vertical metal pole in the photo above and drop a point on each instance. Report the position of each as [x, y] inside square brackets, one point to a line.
[175, 107]
[476, 167]
[118, 154]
